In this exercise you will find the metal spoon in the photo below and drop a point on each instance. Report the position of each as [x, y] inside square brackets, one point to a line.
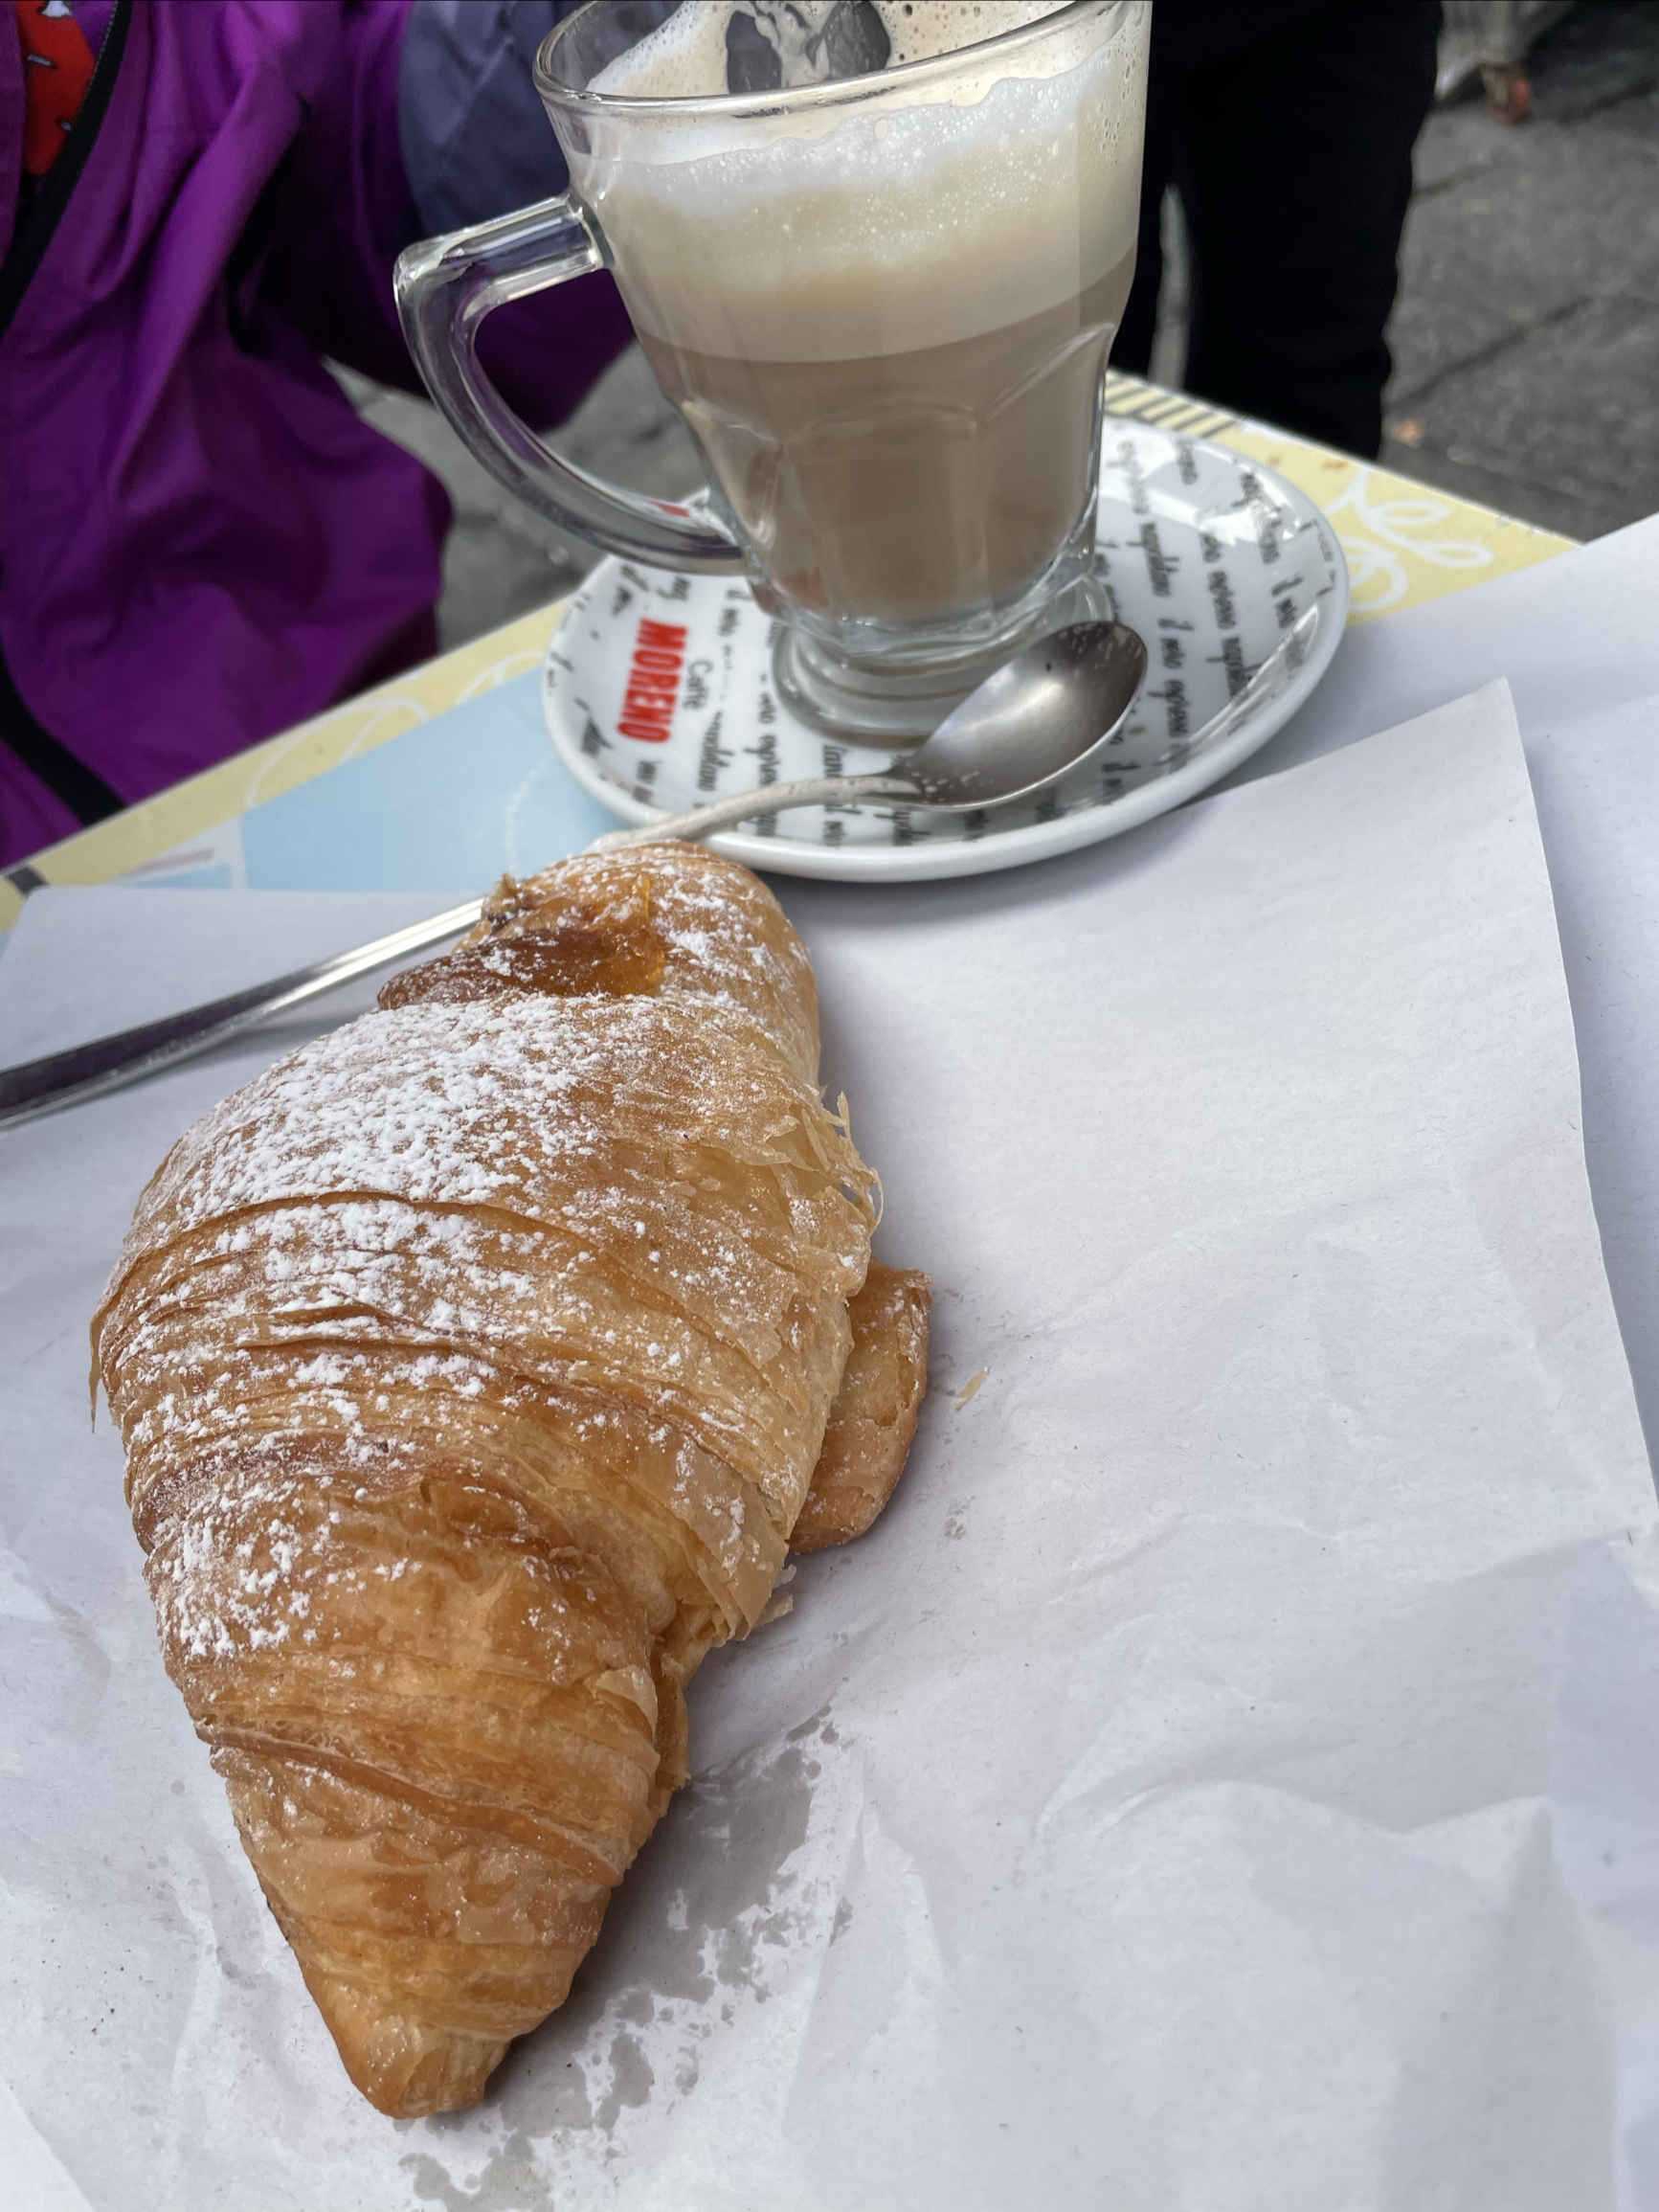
[1045, 711]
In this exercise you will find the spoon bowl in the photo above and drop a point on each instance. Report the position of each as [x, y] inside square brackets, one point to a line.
[1040, 716]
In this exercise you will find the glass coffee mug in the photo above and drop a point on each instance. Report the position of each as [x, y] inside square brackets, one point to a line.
[881, 304]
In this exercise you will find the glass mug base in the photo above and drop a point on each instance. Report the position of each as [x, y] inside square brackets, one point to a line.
[888, 703]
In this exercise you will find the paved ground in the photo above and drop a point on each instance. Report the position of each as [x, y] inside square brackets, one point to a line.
[1526, 339]
[502, 561]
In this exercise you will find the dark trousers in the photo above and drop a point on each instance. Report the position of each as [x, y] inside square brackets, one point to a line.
[1287, 128]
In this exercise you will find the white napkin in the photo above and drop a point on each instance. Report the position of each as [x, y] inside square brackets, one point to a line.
[1226, 1777]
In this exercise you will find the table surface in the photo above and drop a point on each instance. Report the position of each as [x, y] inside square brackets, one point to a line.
[1406, 544]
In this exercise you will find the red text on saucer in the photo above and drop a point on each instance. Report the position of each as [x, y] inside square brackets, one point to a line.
[653, 682]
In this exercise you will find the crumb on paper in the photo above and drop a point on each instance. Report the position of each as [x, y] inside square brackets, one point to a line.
[775, 1609]
[968, 1387]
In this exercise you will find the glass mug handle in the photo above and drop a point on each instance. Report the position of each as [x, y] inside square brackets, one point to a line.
[446, 287]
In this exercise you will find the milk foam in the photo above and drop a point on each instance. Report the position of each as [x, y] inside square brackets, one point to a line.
[684, 58]
[917, 214]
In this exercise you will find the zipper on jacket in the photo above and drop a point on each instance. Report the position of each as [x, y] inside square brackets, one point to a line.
[45, 210]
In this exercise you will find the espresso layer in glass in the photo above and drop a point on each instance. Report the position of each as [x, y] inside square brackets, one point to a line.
[930, 481]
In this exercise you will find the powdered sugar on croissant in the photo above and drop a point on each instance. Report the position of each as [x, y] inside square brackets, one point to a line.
[473, 1365]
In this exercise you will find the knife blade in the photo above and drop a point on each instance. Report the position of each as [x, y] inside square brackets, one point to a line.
[58, 1079]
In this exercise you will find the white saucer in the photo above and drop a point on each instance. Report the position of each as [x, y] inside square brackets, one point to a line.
[1231, 575]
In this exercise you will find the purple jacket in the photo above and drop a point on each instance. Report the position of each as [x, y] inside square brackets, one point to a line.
[200, 543]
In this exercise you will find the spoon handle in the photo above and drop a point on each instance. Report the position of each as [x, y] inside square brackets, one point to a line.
[770, 798]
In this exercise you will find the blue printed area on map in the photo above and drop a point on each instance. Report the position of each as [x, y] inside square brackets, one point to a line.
[469, 793]
[453, 802]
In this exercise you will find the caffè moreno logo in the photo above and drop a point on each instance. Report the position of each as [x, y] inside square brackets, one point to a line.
[654, 676]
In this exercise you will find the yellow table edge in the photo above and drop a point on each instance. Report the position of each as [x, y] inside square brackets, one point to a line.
[1405, 543]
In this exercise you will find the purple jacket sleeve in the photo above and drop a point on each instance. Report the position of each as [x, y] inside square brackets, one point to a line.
[200, 541]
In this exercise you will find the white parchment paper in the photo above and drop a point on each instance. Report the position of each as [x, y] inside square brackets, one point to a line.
[1577, 639]
[1229, 1776]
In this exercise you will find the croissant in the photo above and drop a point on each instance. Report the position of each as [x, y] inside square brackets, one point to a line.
[475, 1366]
